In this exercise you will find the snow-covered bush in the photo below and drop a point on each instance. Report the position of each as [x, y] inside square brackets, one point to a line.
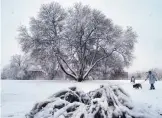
[105, 102]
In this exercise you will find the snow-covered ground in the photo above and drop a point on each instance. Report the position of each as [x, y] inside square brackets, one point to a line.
[18, 97]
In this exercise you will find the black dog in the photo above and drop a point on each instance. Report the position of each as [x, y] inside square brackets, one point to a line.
[137, 86]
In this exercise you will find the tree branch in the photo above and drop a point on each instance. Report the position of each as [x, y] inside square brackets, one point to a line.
[95, 53]
[88, 37]
[65, 70]
[67, 65]
[86, 74]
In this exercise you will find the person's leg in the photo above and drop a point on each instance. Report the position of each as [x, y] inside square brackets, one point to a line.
[153, 86]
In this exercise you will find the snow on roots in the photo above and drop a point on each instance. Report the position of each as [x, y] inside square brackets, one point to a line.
[104, 102]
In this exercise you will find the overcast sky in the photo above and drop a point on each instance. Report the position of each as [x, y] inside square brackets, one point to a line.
[145, 16]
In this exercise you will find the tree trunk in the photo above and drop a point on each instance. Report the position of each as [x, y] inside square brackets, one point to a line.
[80, 79]
[80, 76]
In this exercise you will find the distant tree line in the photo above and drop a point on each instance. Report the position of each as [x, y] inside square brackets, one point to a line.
[19, 68]
[79, 42]
[143, 74]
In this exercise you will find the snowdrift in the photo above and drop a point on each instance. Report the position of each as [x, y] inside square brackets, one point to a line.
[104, 102]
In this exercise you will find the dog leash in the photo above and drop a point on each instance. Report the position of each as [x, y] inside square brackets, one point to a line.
[142, 82]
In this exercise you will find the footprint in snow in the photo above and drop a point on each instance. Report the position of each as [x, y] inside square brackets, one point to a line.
[10, 115]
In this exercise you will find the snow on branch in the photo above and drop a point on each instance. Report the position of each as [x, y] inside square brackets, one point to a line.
[104, 102]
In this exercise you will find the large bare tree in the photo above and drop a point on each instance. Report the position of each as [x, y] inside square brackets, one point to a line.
[81, 39]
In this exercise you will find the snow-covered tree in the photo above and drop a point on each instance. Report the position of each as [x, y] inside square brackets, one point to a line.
[80, 39]
[17, 68]
[6, 73]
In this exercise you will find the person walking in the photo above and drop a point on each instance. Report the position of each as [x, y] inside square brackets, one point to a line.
[152, 79]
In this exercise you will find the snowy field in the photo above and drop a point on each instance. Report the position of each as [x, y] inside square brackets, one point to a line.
[18, 97]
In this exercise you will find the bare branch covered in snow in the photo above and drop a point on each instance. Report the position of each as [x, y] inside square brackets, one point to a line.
[105, 102]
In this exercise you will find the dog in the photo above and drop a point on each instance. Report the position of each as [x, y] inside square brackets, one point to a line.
[137, 86]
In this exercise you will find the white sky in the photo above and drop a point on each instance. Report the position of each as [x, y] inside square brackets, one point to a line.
[145, 16]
